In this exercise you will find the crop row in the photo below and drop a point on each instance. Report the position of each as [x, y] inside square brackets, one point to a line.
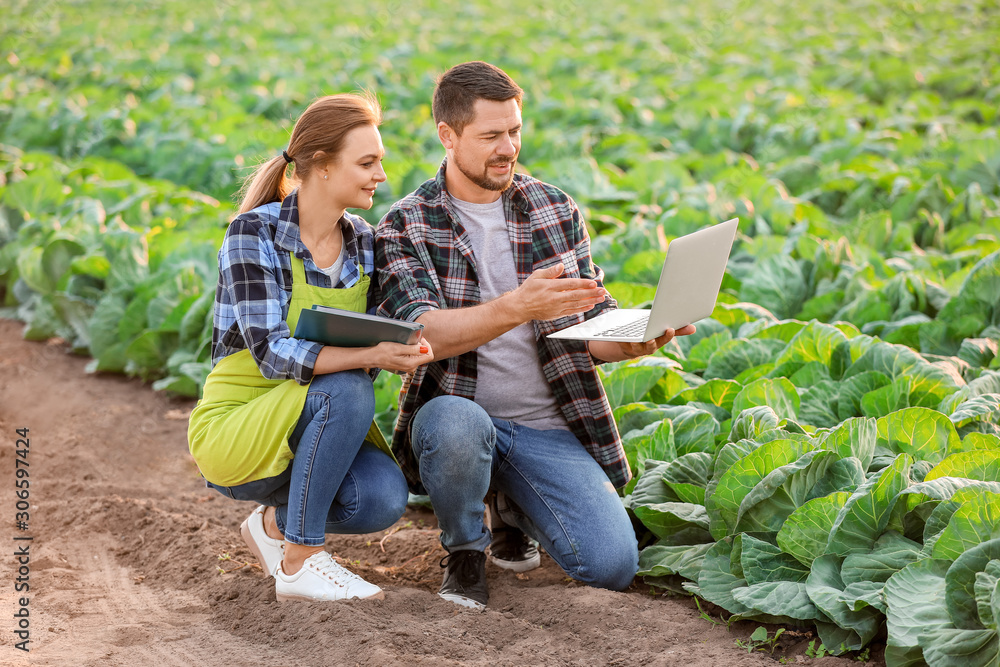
[624, 106]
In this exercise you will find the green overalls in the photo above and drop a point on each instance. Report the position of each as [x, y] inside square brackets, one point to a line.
[239, 430]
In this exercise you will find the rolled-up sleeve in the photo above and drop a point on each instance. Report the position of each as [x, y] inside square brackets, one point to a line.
[407, 289]
[249, 270]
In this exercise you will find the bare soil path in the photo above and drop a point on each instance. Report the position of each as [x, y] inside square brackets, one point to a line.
[134, 562]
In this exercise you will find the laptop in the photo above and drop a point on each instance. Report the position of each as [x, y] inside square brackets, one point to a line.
[687, 291]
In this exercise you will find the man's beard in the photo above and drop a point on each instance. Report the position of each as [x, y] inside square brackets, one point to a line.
[484, 180]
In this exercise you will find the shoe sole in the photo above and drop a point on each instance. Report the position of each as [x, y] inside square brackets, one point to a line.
[518, 566]
[462, 601]
[252, 544]
[305, 598]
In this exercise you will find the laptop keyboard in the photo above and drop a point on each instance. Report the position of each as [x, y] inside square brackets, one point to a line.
[636, 328]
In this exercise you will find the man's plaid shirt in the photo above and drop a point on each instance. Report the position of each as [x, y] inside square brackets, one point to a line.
[425, 262]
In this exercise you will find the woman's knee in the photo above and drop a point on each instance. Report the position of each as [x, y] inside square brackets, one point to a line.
[388, 507]
[347, 396]
[386, 488]
[346, 390]
[372, 497]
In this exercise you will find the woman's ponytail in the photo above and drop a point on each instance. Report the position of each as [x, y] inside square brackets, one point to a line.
[266, 184]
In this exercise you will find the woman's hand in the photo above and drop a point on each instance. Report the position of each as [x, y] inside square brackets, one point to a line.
[390, 356]
[403, 358]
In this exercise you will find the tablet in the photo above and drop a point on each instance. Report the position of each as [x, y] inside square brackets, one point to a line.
[345, 328]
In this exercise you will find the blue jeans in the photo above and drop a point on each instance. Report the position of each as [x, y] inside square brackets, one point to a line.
[335, 483]
[559, 494]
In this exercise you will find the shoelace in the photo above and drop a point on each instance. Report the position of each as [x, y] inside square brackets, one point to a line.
[335, 571]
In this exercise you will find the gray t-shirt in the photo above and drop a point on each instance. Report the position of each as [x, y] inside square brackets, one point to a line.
[510, 383]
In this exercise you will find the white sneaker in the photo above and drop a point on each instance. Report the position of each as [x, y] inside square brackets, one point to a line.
[268, 551]
[321, 578]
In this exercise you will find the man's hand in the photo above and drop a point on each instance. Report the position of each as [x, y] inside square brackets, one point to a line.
[546, 296]
[609, 351]
[542, 296]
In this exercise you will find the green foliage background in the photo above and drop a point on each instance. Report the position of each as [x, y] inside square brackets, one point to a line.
[796, 458]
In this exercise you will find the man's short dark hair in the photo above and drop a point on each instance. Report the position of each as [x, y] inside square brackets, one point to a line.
[458, 89]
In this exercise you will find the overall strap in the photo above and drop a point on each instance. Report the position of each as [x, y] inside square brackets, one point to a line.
[298, 269]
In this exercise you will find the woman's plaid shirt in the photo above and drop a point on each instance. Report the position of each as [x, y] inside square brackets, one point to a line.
[255, 286]
[424, 262]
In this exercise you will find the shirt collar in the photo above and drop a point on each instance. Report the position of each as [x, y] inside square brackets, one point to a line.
[286, 234]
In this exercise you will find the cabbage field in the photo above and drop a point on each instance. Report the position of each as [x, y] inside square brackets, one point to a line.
[824, 451]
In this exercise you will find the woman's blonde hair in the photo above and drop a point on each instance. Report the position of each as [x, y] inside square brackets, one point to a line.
[320, 129]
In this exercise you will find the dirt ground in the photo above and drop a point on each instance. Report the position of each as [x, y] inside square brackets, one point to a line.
[134, 562]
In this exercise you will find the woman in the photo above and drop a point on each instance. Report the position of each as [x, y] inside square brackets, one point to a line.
[286, 422]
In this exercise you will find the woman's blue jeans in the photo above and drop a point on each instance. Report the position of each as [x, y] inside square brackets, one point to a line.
[560, 495]
[335, 483]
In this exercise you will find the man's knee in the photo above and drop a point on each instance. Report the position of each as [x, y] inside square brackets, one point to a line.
[453, 427]
[610, 563]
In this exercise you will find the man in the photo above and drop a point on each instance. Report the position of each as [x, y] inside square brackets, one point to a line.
[491, 262]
